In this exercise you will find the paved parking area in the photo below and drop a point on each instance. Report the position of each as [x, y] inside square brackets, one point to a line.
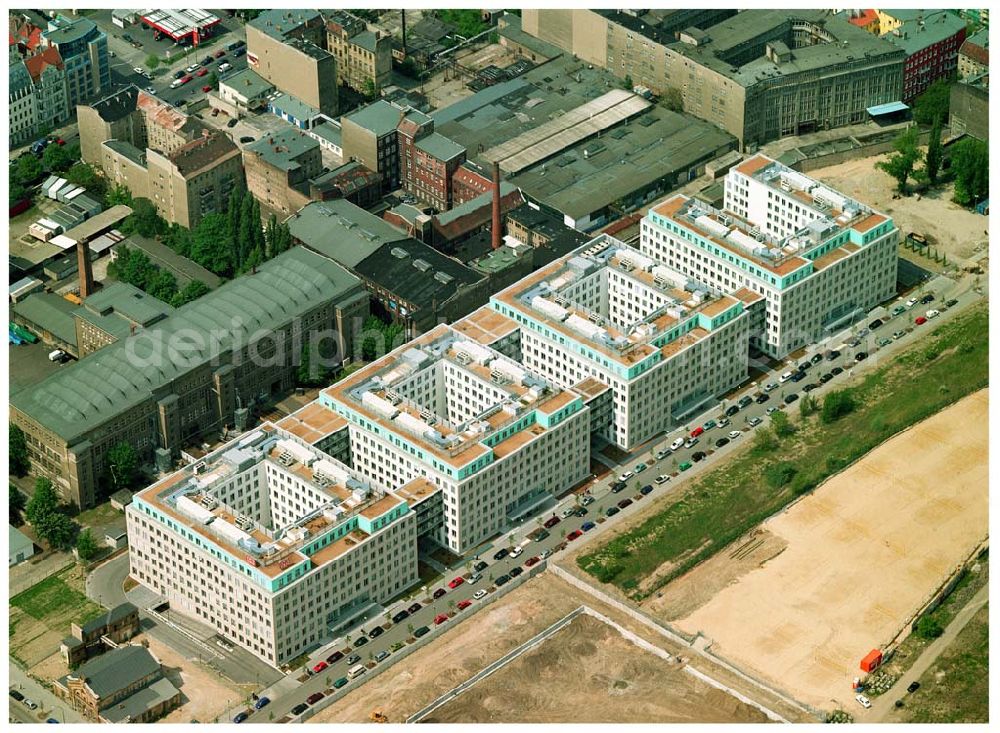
[29, 364]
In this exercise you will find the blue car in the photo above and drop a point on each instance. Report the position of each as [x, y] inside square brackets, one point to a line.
[261, 702]
[587, 526]
[241, 716]
[51, 720]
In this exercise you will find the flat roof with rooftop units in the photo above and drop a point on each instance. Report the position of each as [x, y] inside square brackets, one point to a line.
[337, 505]
[180, 24]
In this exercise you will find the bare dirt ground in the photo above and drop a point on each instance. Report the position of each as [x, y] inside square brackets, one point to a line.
[952, 229]
[588, 673]
[695, 589]
[206, 695]
[492, 632]
[864, 552]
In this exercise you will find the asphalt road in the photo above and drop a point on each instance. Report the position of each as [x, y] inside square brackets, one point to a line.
[49, 705]
[604, 498]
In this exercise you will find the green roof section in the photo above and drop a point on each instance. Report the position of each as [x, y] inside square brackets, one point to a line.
[293, 107]
[379, 117]
[118, 307]
[440, 147]
[248, 83]
[281, 22]
[341, 230]
[50, 312]
[329, 132]
[365, 39]
[284, 149]
[923, 28]
[84, 395]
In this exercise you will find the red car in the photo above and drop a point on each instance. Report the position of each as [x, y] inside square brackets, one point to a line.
[320, 666]
[219, 54]
[455, 582]
[552, 522]
[574, 535]
[462, 605]
[439, 592]
[60, 141]
[335, 657]
[206, 88]
[920, 320]
[201, 72]
[440, 619]
[532, 561]
[697, 431]
[314, 698]
[185, 79]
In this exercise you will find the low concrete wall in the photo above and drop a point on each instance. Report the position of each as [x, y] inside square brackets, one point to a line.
[859, 150]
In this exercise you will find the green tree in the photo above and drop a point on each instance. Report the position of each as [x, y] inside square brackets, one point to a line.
[144, 220]
[928, 628]
[192, 291]
[233, 207]
[118, 195]
[672, 99]
[764, 440]
[56, 159]
[152, 61]
[781, 425]
[84, 174]
[17, 446]
[837, 404]
[807, 405]
[122, 463]
[244, 234]
[86, 546]
[211, 246]
[43, 502]
[16, 192]
[970, 161]
[933, 160]
[932, 106]
[368, 90]
[162, 284]
[57, 529]
[627, 83]
[900, 164]
[15, 505]
[27, 170]
[779, 474]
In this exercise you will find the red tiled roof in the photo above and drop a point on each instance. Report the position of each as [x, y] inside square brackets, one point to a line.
[976, 52]
[37, 64]
[866, 18]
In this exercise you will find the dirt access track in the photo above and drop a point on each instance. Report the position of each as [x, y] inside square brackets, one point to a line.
[864, 552]
[649, 689]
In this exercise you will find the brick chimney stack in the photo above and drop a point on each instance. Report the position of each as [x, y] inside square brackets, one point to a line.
[497, 233]
[84, 269]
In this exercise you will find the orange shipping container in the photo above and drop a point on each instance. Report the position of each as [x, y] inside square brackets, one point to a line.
[871, 661]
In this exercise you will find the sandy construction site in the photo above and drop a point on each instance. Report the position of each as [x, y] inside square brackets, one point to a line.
[589, 673]
[556, 681]
[861, 555]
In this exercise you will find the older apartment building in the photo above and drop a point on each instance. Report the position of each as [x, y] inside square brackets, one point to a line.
[819, 259]
[156, 151]
[364, 57]
[141, 390]
[759, 74]
[279, 168]
[286, 47]
[38, 94]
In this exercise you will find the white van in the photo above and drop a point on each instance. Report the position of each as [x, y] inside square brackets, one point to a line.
[785, 377]
[225, 66]
[57, 355]
[356, 671]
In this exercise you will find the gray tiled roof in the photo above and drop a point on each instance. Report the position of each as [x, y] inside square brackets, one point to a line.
[105, 619]
[380, 117]
[50, 312]
[117, 669]
[440, 147]
[135, 705]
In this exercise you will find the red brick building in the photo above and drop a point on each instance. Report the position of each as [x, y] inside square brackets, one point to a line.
[931, 40]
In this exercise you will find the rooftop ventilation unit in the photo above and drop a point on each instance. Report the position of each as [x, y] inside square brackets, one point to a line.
[422, 265]
[399, 253]
[209, 502]
[462, 358]
[443, 277]
[393, 396]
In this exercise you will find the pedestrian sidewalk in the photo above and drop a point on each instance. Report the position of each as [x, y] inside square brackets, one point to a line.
[49, 706]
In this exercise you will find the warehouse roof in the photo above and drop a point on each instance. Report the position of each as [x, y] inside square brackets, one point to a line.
[440, 147]
[329, 132]
[293, 107]
[97, 225]
[416, 273]
[50, 312]
[117, 306]
[86, 394]
[379, 117]
[473, 205]
[341, 230]
[510, 27]
[727, 43]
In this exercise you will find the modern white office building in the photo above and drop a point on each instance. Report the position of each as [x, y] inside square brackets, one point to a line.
[665, 344]
[494, 438]
[820, 259]
[271, 541]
